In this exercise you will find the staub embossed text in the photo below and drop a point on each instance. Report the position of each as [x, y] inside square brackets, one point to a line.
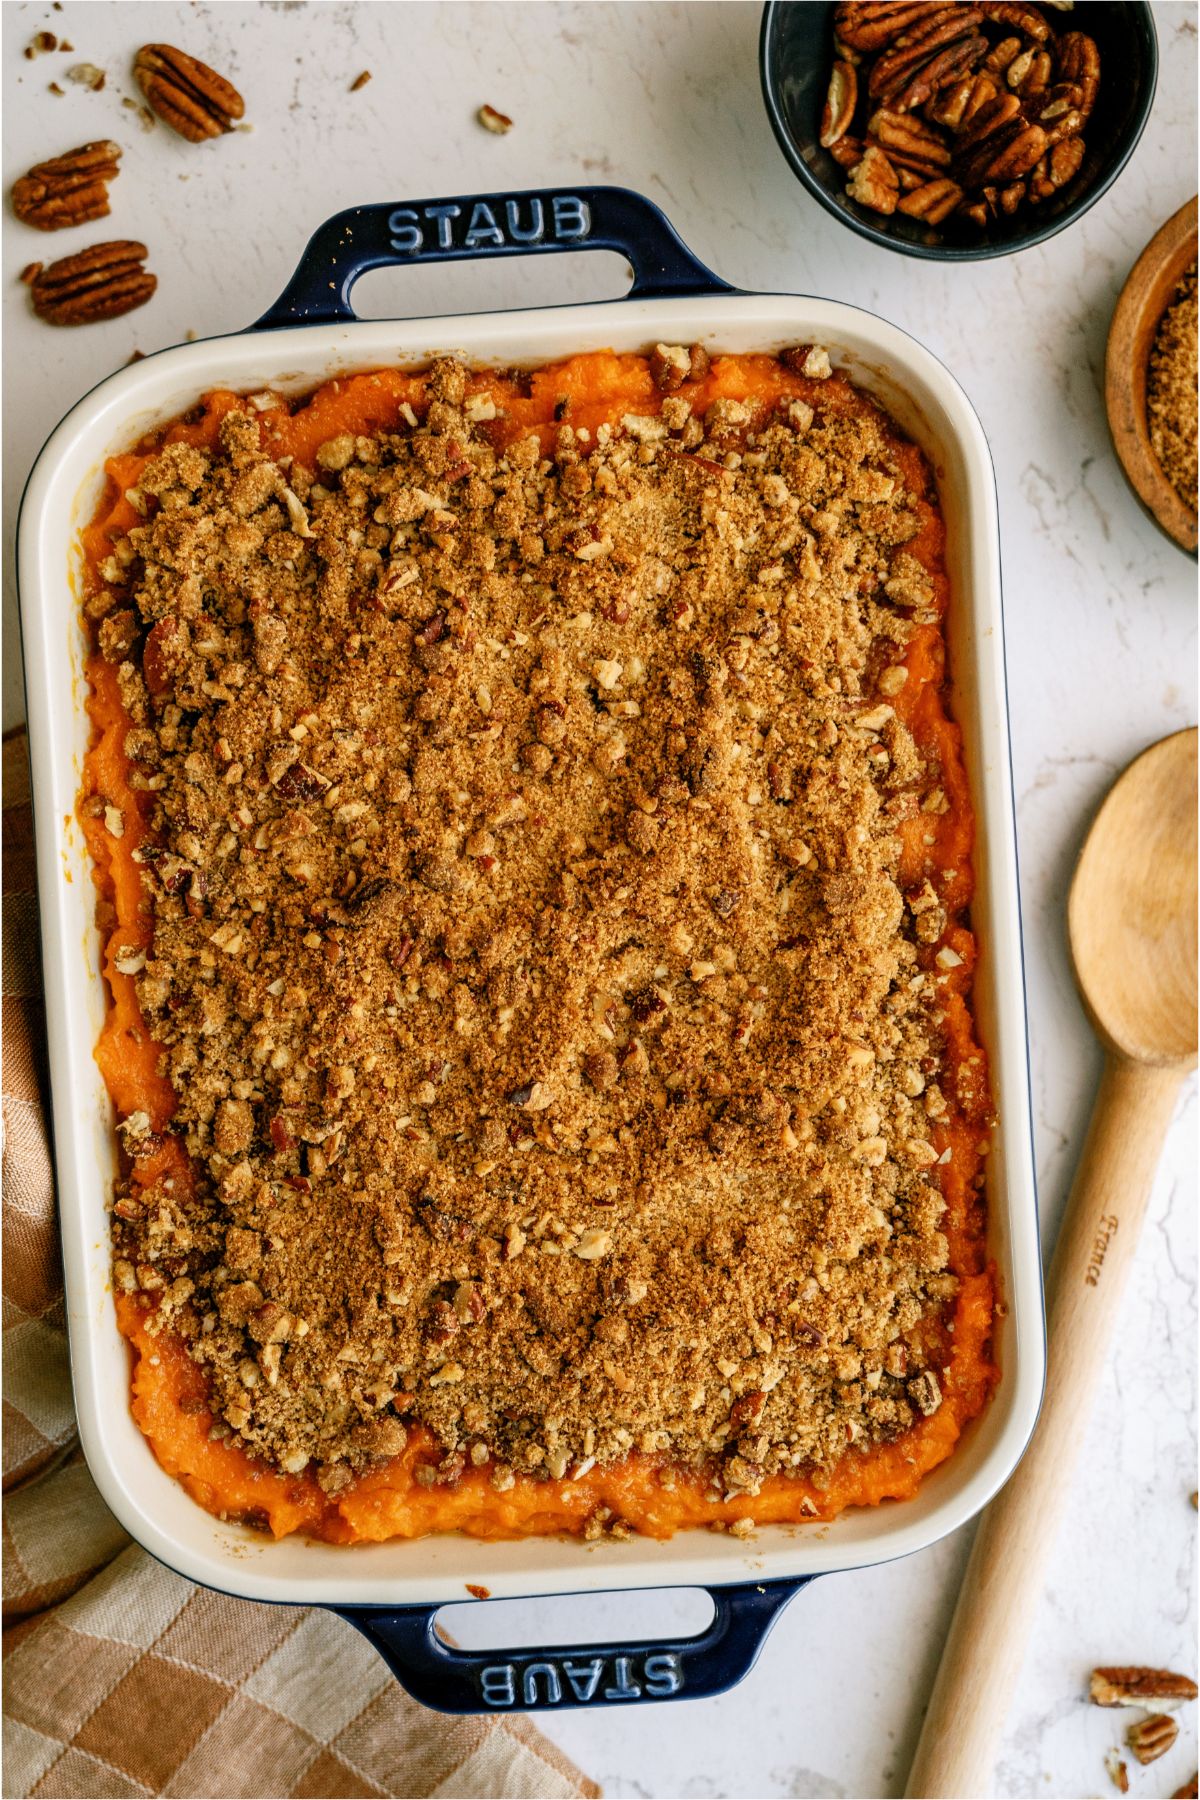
[575, 1680]
[494, 224]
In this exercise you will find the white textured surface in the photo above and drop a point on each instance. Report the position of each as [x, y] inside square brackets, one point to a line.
[1101, 648]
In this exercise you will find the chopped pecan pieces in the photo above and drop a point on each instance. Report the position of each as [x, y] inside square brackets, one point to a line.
[1118, 1770]
[186, 94]
[496, 122]
[68, 190]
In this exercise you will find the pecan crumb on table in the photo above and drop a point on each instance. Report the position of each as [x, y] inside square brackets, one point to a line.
[552, 931]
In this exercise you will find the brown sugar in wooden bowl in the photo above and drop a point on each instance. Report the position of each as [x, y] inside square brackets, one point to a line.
[1144, 299]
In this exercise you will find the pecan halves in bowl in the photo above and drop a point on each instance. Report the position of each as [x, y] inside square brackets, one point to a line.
[1058, 166]
[67, 190]
[1029, 73]
[840, 103]
[1026, 19]
[933, 201]
[874, 182]
[956, 105]
[99, 283]
[185, 93]
[975, 110]
[1079, 66]
[869, 27]
[909, 142]
[1005, 155]
[925, 59]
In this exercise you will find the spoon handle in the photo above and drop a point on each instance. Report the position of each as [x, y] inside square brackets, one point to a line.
[1005, 1576]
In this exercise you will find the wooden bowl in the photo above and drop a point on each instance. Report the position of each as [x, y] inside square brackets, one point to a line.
[1144, 299]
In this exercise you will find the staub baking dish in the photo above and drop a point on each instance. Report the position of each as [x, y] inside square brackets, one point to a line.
[392, 1591]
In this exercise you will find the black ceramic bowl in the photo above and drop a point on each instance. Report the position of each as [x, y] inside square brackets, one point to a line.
[795, 56]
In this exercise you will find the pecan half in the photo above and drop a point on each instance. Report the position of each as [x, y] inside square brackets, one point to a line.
[1061, 98]
[1058, 166]
[1135, 1686]
[840, 102]
[1151, 1738]
[991, 117]
[185, 93]
[933, 201]
[1029, 73]
[67, 190]
[1026, 19]
[868, 27]
[1005, 159]
[941, 40]
[908, 140]
[848, 151]
[1189, 1791]
[947, 65]
[1062, 129]
[1001, 56]
[956, 105]
[1004, 201]
[1003, 155]
[1079, 64]
[99, 283]
[874, 182]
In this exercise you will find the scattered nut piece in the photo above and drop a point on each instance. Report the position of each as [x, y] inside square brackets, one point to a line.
[185, 93]
[494, 121]
[1153, 1737]
[1118, 1771]
[1135, 1686]
[100, 283]
[87, 75]
[71, 189]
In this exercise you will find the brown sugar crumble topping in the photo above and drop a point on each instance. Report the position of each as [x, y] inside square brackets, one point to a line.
[1171, 391]
[555, 1049]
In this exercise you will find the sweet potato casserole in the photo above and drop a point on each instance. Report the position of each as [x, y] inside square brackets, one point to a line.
[533, 857]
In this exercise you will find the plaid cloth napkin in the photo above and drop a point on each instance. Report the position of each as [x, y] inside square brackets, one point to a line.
[120, 1677]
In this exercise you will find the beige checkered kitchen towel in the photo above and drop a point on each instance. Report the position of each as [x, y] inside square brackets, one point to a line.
[121, 1678]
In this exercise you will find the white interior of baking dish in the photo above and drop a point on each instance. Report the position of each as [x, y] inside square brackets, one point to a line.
[62, 493]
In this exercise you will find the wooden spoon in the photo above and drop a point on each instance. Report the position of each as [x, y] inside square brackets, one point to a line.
[1131, 920]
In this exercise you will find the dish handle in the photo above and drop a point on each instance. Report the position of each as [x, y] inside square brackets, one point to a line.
[470, 227]
[453, 1680]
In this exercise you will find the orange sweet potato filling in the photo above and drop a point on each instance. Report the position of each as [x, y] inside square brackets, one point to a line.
[169, 1391]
